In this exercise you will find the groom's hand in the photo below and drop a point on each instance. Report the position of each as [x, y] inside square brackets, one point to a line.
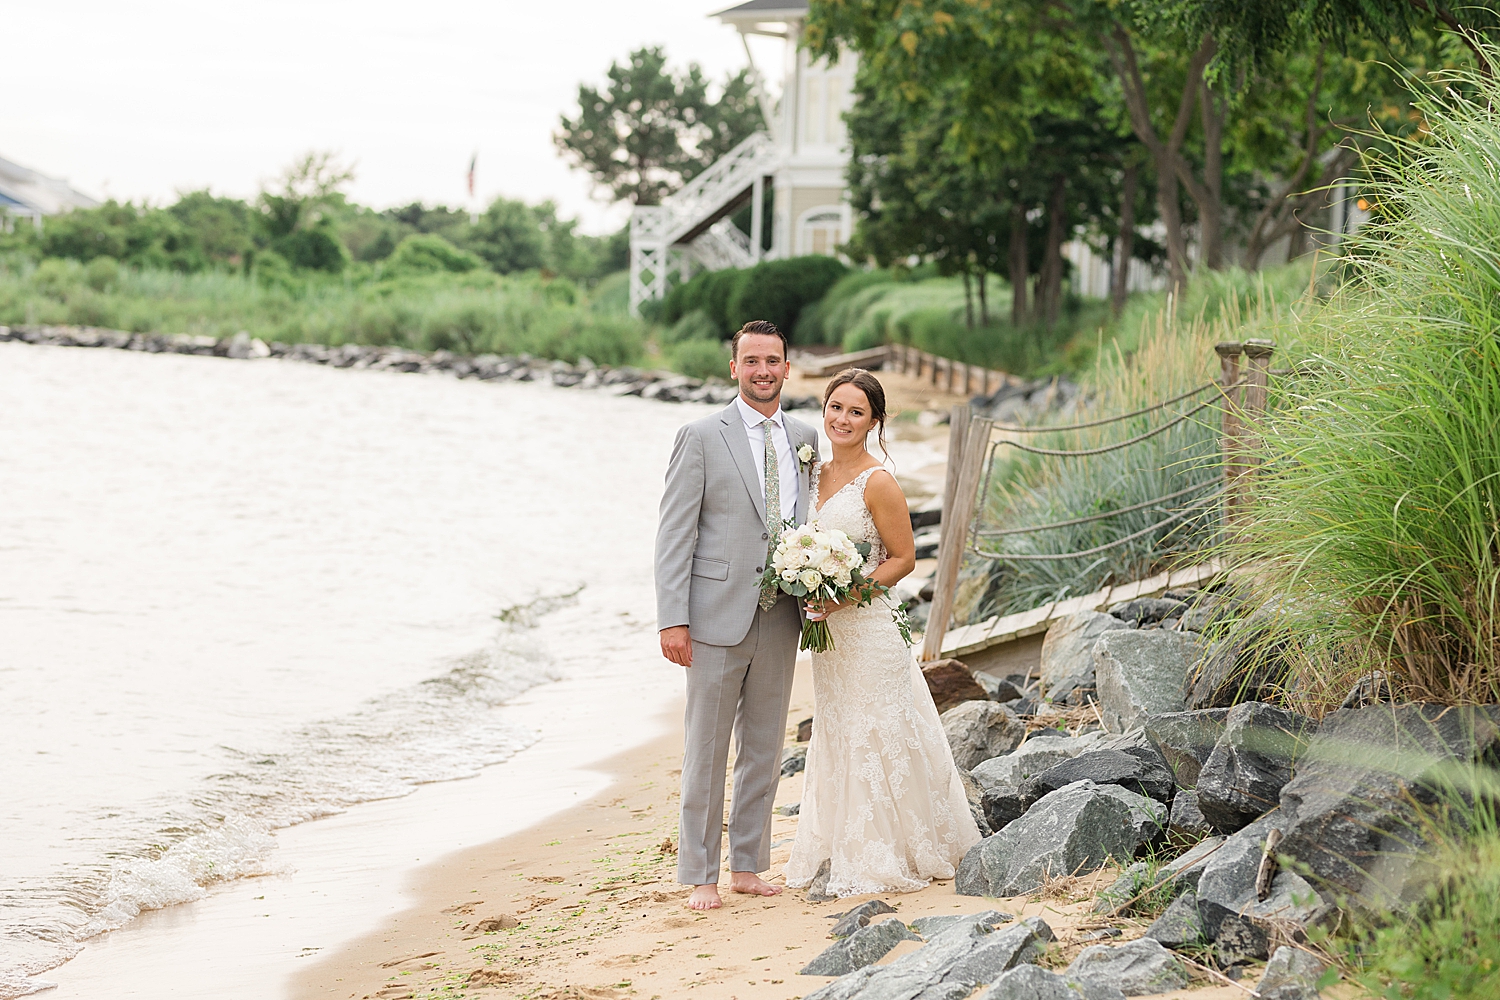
[677, 645]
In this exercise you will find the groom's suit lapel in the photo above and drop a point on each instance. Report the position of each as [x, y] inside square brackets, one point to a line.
[738, 443]
[804, 475]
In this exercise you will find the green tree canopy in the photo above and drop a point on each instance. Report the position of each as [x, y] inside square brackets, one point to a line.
[646, 132]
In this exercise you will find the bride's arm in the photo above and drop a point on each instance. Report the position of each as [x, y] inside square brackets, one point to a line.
[888, 507]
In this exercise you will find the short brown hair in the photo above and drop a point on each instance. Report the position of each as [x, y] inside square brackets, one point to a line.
[764, 328]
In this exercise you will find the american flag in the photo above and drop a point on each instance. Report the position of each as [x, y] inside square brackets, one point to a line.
[473, 160]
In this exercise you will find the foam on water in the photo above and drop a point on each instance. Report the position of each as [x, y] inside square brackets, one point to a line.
[439, 729]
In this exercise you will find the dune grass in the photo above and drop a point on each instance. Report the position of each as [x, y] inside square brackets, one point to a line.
[1376, 525]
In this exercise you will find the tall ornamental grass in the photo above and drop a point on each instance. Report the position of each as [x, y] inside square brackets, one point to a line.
[1172, 352]
[1375, 527]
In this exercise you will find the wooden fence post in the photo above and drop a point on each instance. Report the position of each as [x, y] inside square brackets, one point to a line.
[1257, 382]
[1229, 352]
[959, 502]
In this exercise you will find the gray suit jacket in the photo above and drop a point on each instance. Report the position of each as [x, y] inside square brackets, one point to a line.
[712, 537]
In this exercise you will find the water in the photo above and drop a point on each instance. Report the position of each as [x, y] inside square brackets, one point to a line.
[235, 596]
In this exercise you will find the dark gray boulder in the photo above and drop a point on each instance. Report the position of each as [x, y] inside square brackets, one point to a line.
[1136, 968]
[860, 916]
[1227, 886]
[979, 730]
[817, 890]
[1291, 974]
[999, 689]
[1350, 810]
[793, 759]
[1141, 674]
[1108, 767]
[865, 946]
[1179, 926]
[1028, 982]
[1148, 610]
[1068, 648]
[1006, 795]
[1252, 761]
[1186, 820]
[1186, 740]
[930, 927]
[1002, 950]
[1184, 871]
[1240, 941]
[1074, 829]
[974, 793]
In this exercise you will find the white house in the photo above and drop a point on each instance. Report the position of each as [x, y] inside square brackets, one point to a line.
[24, 193]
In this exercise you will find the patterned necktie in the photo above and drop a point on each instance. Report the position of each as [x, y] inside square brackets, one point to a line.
[769, 591]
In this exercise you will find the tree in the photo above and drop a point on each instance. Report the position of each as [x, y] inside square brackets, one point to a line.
[507, 236]
[647, 132]
[221, 228]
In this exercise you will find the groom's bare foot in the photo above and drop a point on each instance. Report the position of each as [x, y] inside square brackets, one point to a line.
[705, 897]
[753, 884]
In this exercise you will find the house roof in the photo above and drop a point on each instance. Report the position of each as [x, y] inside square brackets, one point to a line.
[29, 191]
[764, 10]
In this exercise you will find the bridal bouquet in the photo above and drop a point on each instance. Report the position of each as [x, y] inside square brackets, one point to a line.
[824, 564]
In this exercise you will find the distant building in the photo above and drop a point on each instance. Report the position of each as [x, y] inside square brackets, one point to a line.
[26, 194]
[803, 155]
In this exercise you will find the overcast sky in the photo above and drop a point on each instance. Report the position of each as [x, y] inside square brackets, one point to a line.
[145, 99]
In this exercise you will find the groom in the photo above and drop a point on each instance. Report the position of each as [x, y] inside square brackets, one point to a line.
[734, 478]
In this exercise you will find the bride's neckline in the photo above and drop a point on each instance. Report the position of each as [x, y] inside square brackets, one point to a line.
[818, 507]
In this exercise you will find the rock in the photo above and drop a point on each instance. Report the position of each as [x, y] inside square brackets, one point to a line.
[931, 926]
[1148, 610]
[1118, 897]
[789, 810]
[1240, 941]
[974, 793]
[1136, 968]
[979, 730]
[1251, 762]
[996, 689]
[1028, 982]
[1100, 934]
[793, 759]
[1227, 886]
[1186, 740]
[1180, 926]
[1371, 689]
[1003, 806]
[952, 683]
[1148, 818]
[1108, 767]
[927, 972]
[1002, 950]
[1184, 872]
[1350, 810]
[1249, 664]
[859, 917]
[1186, 820]
[1068, 648]
[1141, 674]
[1032, 758]
[259, 348]
[1291, 974]
[1074, 829]
[239, 346]
[865, 946]
[804, 730]
[489, 925]
[817, 889]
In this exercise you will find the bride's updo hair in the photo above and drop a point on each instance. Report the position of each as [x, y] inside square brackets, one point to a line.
[868, 384]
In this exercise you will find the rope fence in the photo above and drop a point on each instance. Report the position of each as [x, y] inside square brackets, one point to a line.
[974, 450]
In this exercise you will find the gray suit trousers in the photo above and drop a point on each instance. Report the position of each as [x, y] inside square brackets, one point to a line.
[746, 688]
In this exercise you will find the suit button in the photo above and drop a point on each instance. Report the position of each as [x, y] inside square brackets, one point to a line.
[764, 535]
[760, 569]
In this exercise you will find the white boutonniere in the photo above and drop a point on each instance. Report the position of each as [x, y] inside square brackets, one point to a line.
[806, 455]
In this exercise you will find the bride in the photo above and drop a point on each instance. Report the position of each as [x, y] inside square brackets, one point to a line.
[882, 800]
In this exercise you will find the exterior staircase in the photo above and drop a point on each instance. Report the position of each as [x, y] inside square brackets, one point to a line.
[693, 225]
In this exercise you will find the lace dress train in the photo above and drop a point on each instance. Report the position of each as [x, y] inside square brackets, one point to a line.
[881, 800]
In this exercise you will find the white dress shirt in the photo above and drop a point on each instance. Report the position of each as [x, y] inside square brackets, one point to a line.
[786, 459]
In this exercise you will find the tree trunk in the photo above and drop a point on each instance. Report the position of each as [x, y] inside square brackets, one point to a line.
[984, 301]
[1019, 268]
[968, 300]
[1119, 283]
[1050, 294]
[1211, 209]
[1170, 208]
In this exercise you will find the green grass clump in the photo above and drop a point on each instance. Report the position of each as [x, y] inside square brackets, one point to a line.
[1376, 527]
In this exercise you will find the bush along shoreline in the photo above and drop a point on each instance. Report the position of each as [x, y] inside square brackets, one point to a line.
[663, 386]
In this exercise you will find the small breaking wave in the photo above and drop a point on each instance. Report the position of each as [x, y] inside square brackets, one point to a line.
[439, 729]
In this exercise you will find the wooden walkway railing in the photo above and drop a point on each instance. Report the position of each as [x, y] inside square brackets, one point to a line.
[952, 376]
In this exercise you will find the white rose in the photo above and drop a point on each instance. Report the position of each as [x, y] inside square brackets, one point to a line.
[789, 575]
[810, 578]
[806, 454]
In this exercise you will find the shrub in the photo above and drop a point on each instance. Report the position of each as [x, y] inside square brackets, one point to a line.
[695, 325]
[813, 325]
[702, 358]
[425, 253]
[102, 273]
[605, 340]
[313, 250]
[778, 290]
[708, 292]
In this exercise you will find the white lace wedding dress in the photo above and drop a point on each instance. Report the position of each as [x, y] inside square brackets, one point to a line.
[881, 798]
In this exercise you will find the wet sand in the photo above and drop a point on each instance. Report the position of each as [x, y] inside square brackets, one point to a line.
[585, 905]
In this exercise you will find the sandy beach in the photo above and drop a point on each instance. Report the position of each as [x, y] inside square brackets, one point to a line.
[585, 906]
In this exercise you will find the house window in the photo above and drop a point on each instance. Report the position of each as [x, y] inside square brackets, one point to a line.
[821, 230]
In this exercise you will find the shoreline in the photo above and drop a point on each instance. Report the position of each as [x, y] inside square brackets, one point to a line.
[584, 905]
